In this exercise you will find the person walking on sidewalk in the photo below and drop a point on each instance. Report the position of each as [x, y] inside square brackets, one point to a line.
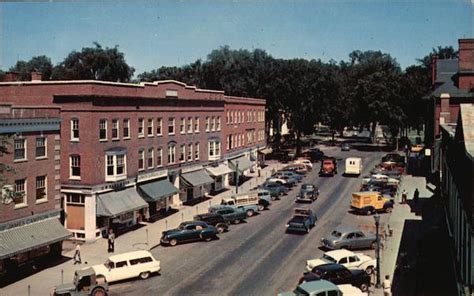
[111, 241]
[416, 195]
[404, 196]
[77, 255]
[387, 286]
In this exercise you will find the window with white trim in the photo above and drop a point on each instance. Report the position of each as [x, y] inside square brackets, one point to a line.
[103, 129]
[116, 167]
[171, 126]
[218, 124]
[20, 192]
[229, 142]
[126, 128]
[190, 125]
[196, 124]
[227, 119]
[74, 167]
[41, 188]
[141, 127]
[19, 149]
[196, 151]
[159, 157]
[115, 129]
[171, 153]
[41, 147]
[182, 152]
[159, 126]
[182, 125]
[150, 127]
[214, 149]
[207, 123]
[74, 129]
[213, 124]
[150, 158]
[190, 152]
[141, 159]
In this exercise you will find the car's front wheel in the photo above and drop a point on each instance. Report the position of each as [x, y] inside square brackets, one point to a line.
[250, 213]
[261, 207]
[369, 270]
[145, 275]
[364, 287]
[173, 242]
[236, 221]
[220, 228]
[99, 291]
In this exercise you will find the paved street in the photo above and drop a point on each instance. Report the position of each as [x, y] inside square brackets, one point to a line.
[256, 258]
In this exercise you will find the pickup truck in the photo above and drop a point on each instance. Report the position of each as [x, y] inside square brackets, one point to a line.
[250, 202]
[303, 220]
[229, 213]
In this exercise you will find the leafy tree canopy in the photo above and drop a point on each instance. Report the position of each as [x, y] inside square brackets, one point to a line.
[36, 64]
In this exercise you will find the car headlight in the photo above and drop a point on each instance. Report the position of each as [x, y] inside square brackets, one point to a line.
[287, 225]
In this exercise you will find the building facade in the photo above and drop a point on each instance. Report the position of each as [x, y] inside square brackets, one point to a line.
[131, 151]
[30, 208]
[457, 189]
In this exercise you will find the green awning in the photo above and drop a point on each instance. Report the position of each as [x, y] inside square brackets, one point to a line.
[243, 161]
[154, 191]
[114, 203]
[31, 236]
[197, 178]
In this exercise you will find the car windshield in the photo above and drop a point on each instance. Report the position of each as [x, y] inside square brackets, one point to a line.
[308, 187]
[336, 233]
[328, 259]
[300, 291]
[298, 219]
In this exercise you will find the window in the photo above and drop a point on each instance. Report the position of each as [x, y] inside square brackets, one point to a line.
[227, 119]
[182, 125]
[239, 119]
[182, 152]
[196, 151]
[214, 149]
[171, 126]
[121, 264]
[159, 126]
[41, 188]
[196, 124]
[40, 147]
[75, 167]
[190, 152]
[218, 127]
[213, 124]
[190, 125]
[126, 128]
[115, 129]
[229, 142]
[159, 157]
[150, 127]
[74, 129]
[20, 149]
[150, 157]
[207, 123]
[141, 159]
[171, 153]
[116, 167]
[141, 131]
[103, 129]
[20, 191]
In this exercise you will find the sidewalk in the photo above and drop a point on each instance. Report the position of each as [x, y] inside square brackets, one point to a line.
[144, 238]
[405, 221]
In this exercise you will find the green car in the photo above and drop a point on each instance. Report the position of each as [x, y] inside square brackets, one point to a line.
[189, 231]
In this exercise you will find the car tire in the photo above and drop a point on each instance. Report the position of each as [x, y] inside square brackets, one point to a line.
[388, 210]
[144, 275]
[220, 229]
[207, 238]
[250, 213]
[369, 212]
[261, 207]
[369, 270]
[98, 291]
[364, 287]
[173, 242]
[236, 221]
[308, 229]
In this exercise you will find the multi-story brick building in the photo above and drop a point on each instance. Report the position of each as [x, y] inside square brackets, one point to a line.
[131, 150]
[30, 205]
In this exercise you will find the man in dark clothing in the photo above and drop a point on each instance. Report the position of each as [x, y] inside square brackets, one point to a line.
[416, 195]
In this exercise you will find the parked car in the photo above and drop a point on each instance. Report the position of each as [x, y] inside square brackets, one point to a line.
[345, 147]
[126, 266]
[344, 257]
[306, 162]
[339, 275]
[348, 238]
[281, 181]
[276, 189]
[293, 175]
[316, 154]
[350, 290]
[298, 168]
[214, 219]
[370, 202]
[189, 231]
[230, 214]
[315, 288]
[308, 192]
[303, 220]
[85, 283]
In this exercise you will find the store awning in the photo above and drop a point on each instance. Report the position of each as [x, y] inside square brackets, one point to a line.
[219, 170]
[197, 178]
[266, 151]
[31, 236]
[243, 161]
[155, 191]
[114, 203]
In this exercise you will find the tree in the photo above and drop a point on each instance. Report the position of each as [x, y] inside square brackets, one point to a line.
[36, 64]
[94, 63]
[446, 52]
[10, 194]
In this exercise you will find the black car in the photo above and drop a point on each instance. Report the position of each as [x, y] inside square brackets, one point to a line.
[345, 147]
[316, 154]
[338, 275]
[214, 219]
[189, 231]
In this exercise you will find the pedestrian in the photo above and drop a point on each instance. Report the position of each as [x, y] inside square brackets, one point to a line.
[387, 286]
[416, 195]
[111, 241]
[77, 255]
[404, 196]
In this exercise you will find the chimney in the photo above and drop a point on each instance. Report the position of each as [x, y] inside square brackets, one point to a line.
[466, 55]
[10, 77]
[434, 60]
[445, 112]
[36, 76]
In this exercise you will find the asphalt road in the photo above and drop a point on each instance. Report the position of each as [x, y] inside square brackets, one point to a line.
[257, 257]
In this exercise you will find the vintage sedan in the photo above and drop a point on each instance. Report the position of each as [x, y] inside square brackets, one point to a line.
[344, 257]
[308, 192]
[189, 231]
[339, 275]
[303, 220]
[348, 238]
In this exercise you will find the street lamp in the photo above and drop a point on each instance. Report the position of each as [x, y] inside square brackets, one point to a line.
[377, 251]
[236, 177]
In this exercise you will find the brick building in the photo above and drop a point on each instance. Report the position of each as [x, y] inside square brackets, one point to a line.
[30, 205]
[129, 151]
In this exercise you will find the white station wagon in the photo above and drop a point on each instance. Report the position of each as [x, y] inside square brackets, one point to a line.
[344, 257]
[127, 265]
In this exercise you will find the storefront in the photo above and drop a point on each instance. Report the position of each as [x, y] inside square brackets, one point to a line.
[262, 154]
[120, 210]
[195, 184]
[25, 240]
[242, 165]
[158, 194]
[220, 174]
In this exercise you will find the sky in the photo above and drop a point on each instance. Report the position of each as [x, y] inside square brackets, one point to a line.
[152, 34]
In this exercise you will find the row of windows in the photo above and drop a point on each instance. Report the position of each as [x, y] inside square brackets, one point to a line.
[238, 140]
[22, 192]
[154, 127]
[20, 151]
[116, 164]
[238, 116]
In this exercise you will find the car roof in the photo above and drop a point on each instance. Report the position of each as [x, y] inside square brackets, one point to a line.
[318, 286]
[329, 267]
[345, 229]
[339, 253]
[194, 222]
[141, 253]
